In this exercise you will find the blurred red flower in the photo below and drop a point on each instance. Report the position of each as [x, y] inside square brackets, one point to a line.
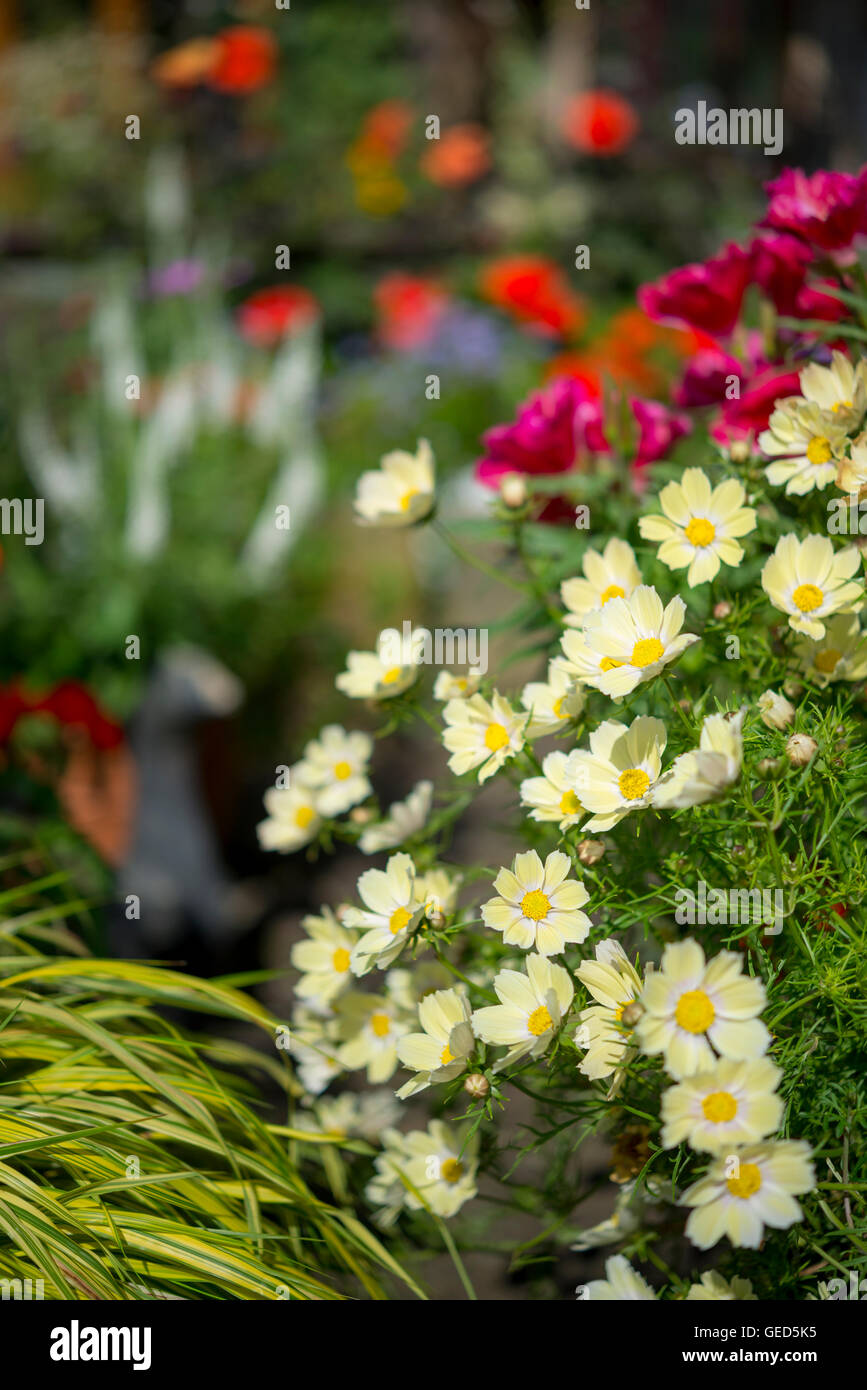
[269, 315]
[706, 295]
[460, 156]
[245, 60]
[535, 292]
[69, 702]
[384, 130]
[600, 123]
[409, 308]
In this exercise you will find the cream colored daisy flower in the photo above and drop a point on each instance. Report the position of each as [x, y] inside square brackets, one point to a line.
[700, 525]
[706, 772]
[382, 674]
[350, 1116]
[841, 655]
[618, 773]
[806, 444]
[294, 816]
[441, 1164]
[810, 580]
[437, 892]
[614, 983]
[552, 703]
[482, 734]
[336, 764]
[840, 388]
[323, 958]
[403, 820]
[313, 1043]
[539, 906]
[852, 470]
[695, 1010]
[715, 1111]
[743, 1192]
[634, 639]
[613, 574]
[370, 1026]
[448, 686]
[621, 1285]
[391, 916]
[715, 1289]
[530, 1010]
[440, 1052]
[399, 492]
[552, 796]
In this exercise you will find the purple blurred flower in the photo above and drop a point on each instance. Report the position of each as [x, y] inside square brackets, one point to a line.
[178, 277]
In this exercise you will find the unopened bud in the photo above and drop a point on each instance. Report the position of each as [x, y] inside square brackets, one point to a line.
[632, 1013]
[775, 710]
[800, 749]
[769, 769]
[360, 815]
[793, 688]
[513, 490]
[590, 851]
[435, 916]
[477, 1085]
[686, 706]
[739, 451]
[722, 609]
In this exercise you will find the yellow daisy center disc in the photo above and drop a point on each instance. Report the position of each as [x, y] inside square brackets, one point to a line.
[398, 920]
[808, 597]
[818, 449]
[380, 1023]
[748, 1181]
[694, 1011]
[342, 770]
[535, 905]
[407, 498]
[613, 591]
[826, 661]
[340, 960]
[569, 804]
[303, 816]
[446, 1056]
[539, 1021]
[391, 675]
[633, 783]
[719, 1107]
[451, 1170]
[496, 737]
[645, 652]
[700, 531]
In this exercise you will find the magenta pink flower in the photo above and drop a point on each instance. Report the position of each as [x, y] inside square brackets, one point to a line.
[749, 414]
[826, 209]
[706, 296]
[705, 377]
[554, 430]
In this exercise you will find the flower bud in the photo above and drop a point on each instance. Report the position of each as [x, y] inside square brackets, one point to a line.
[800, 749]
[775, 710]
[632, 1013]
[722, 609]
[435, 916]
[513, 490]
[739, 451]
[477, 1085]
[769, 769]
[360, 815]
[590, 851]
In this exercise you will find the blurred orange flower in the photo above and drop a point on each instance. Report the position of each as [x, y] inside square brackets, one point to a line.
[460, 156]
[246, 59]
[409, 307]
[600, 123]
[269, 315]
[535, 292]
[186, 65]
[636, 353]
[384, 130]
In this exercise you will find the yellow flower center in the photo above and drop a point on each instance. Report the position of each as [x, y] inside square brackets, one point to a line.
[446, 1056]
[694, 1011]
[342, 770]
[841, 405]
[608, 663]
[340, 960]
[557, 707]
[747, 1182]
[700, 531]
[303, 816]
[407, 498]
[818, 449]
[826, 661]
[719, 1107]
[645, 652]
[398, 920]
[535, 905]
[618, 1012]
[451, 1170]
[496, 737]
[807, 597]
[380, 1023]
[540, 1021]
[391, 675]
[613, 591]
[633, 783]
[569, 804]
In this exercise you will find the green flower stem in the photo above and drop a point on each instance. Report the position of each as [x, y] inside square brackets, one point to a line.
[469, 559]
